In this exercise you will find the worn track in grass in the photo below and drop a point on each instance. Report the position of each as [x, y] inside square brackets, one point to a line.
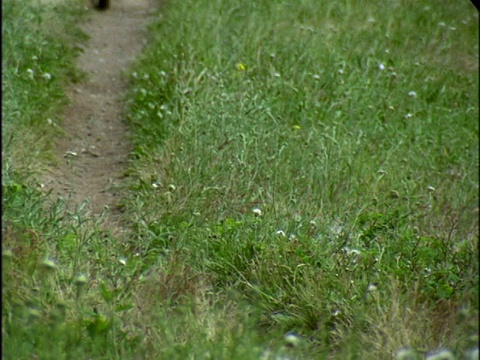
[93, 152]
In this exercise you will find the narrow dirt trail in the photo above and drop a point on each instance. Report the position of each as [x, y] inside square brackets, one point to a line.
[94, 151]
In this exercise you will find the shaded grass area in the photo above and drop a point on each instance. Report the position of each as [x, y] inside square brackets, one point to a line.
[304, 184]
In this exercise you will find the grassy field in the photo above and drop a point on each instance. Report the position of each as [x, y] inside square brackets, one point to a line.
[303, 185]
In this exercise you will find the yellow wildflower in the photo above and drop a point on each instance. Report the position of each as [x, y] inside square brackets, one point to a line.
[241, 67]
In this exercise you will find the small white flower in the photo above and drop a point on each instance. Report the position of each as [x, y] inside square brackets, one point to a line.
[123, 261]
[47, 76]
[34, 58]
[406, 353]
[412, 94]
[316, 77]
[276, 74]
[372, 287]
[341, 71]
[257, 212]
[292, 339]
[430, 188]
[172, 187]
[155, 184]
[408, 116]
[381, 67]
[272, 55]
[280, 233]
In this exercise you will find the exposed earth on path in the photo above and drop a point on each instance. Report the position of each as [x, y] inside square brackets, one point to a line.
[93, 153]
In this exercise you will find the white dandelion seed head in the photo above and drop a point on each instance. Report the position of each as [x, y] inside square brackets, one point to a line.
[280, 233]
[257, 212]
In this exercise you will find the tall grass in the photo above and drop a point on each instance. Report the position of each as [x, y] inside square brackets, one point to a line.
[352, 128]
[37, 59]
[304, 184]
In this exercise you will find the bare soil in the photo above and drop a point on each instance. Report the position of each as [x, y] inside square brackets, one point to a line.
[94, 151]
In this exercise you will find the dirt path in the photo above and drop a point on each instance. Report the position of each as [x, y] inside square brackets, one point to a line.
[93, 153]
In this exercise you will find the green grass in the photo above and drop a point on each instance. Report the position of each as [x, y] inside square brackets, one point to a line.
[300, 167]
[36, 65]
